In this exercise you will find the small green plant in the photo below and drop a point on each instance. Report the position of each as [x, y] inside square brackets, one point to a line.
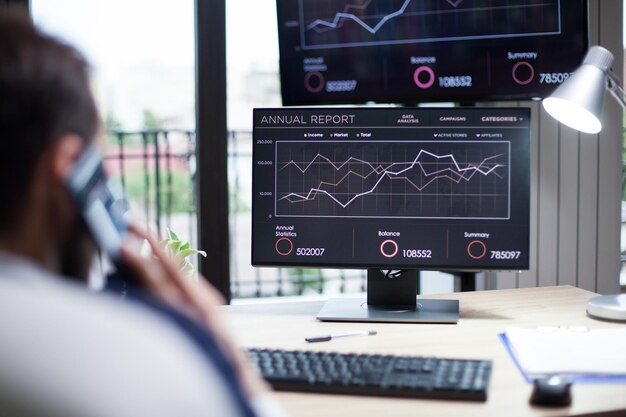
[180, 250]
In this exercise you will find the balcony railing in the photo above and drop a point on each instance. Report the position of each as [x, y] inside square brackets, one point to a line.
[158, 171]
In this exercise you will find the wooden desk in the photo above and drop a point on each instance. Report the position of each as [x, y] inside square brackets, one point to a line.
[483, 315]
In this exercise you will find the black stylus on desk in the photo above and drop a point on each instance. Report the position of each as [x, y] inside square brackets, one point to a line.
[328, 337]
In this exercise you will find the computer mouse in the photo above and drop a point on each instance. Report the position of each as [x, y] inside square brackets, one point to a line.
[553, 391]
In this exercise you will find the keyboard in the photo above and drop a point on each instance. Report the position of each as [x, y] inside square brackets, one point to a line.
[376, 375]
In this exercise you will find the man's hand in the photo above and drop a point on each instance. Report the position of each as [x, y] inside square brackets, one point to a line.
[200, 300]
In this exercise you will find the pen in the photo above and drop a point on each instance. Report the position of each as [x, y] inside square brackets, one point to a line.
[327, 337]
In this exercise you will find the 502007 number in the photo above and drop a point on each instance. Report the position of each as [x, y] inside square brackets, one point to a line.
[310, 251]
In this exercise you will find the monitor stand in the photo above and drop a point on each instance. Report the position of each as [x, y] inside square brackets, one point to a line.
[391, 299]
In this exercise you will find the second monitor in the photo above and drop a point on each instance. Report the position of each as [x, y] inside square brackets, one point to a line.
[391, 189]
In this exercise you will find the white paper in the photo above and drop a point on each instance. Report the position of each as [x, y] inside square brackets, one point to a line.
[569, 350]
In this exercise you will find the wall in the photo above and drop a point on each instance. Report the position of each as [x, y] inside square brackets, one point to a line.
[576, 188]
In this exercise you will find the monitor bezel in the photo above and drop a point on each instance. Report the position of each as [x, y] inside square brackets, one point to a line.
[403, 266]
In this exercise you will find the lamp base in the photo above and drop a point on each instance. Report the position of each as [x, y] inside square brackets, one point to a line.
[609, 307]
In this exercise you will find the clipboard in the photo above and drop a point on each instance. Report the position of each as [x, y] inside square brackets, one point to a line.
[576, 378]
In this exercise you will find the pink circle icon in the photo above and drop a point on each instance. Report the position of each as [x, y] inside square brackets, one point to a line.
[314, 81]
[386, 245]
[283, 246]
[526, 78]
[476, 249]
[431, 77]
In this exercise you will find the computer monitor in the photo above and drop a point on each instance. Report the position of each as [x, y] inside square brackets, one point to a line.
[415, 51]
[393, 191]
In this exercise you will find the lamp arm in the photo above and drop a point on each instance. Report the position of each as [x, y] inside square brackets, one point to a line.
[613, 85]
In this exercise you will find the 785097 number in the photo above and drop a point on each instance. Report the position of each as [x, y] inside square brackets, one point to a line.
[505, 254]
[553, 77]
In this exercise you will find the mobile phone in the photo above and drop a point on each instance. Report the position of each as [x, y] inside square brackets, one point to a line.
[100, 200]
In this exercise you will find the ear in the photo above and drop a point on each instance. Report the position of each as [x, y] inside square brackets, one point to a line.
[65, 152]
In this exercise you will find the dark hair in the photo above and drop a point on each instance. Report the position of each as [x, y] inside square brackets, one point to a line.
[44, 94]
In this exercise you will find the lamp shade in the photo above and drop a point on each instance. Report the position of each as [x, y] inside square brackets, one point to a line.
[578, 102]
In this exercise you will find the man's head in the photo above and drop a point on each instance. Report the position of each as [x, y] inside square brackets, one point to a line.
[47, 113]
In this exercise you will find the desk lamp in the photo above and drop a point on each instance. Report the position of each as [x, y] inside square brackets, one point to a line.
[577, 103]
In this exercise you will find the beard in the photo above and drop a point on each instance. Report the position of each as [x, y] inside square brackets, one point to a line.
[77, 253]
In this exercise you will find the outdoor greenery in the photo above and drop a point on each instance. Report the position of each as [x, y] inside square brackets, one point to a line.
[111, 122]
[181, 191]
[236, 202]
[151, 121]
[306, 279]
[141, 188]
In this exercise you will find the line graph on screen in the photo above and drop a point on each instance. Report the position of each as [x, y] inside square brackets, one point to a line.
[341, 23]
[415, 179]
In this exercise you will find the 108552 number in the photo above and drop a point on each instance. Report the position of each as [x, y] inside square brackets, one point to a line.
[417, 253]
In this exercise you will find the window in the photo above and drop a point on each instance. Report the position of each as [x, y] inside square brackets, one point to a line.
[143, 58]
